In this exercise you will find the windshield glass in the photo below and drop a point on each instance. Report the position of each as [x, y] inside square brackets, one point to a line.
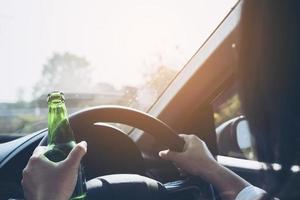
[96, 52]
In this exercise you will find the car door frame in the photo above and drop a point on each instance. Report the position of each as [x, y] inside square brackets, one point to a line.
[186, 105]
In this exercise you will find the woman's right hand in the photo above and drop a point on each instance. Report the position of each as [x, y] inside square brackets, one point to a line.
[195, 159]
[47, 180]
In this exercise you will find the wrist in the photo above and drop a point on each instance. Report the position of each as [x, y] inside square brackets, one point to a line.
[209, 171]
[227, 183]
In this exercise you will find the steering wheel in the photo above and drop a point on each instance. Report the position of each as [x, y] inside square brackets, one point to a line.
[123, 186]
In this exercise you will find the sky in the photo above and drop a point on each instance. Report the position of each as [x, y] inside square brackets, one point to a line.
[122, 40]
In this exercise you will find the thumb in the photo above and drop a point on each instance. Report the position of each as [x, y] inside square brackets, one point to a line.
[168, 155]
[75, 156]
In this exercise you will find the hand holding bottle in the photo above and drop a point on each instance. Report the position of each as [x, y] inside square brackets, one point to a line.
[47, 180]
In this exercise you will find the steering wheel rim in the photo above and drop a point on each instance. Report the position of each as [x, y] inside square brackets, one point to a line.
[163, 133]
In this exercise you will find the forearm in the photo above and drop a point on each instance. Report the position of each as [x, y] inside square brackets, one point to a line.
[225, 181]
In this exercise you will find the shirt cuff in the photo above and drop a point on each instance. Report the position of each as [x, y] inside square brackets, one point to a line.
[250, 193]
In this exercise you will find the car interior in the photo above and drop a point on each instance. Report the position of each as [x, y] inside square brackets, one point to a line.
[122, 165]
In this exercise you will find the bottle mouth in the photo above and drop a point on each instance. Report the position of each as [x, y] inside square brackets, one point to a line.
[56, 97]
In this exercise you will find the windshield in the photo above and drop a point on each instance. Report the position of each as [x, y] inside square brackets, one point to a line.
[96, 52]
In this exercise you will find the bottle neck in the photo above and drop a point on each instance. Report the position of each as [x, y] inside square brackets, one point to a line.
[59, 130]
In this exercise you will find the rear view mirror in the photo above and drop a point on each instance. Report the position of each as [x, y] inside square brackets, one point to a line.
[234, 139]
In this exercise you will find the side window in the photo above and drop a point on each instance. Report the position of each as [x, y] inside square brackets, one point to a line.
[233, 133]
[227, 106]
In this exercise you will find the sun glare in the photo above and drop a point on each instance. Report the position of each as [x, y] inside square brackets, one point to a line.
[123, 41]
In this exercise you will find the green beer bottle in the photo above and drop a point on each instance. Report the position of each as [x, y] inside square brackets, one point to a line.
[61, 138]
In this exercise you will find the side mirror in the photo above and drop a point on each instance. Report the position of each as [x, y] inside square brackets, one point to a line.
[234, 139]
[245, 139]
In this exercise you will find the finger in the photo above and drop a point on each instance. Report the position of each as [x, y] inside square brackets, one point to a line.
[168, 155]
[26, 183]
[181, 171]
[75, 156]
[187, 141]
[40, 150]
[185, 137]
[26, 190]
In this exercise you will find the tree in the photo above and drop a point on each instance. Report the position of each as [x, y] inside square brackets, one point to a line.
[161, 78]
[66, 72]
[157, 82]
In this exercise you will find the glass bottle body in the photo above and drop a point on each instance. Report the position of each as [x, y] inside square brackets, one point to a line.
[61, 139]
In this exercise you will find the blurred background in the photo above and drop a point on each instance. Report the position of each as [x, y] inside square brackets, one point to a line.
[97, 52]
